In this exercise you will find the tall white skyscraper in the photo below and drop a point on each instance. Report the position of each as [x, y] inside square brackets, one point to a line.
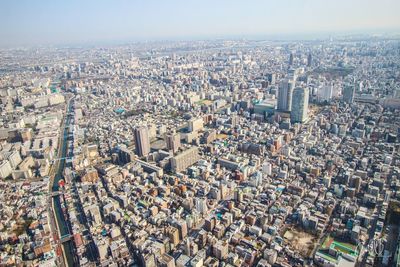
[285, 94]
[299, 104]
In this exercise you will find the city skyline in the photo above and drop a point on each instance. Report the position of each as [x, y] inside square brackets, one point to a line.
[200, 133]
[90, 22]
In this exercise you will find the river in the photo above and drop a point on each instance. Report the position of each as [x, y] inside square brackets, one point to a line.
[63, 223]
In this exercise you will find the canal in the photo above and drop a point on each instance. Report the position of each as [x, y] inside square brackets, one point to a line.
[62, 221]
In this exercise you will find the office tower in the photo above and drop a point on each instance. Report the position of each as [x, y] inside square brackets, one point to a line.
[142, 141]
[173, 141]
[299, 105]
[291, 59]
[309, 60]
[285, 95]
[348, 93]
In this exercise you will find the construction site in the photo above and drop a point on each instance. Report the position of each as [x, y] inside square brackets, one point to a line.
[300, 241]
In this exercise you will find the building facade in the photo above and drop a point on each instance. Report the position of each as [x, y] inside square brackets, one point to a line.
[285, 94]
[299, 105]
[173, 141]
[185, 159]
[142, 141]
[348, 94]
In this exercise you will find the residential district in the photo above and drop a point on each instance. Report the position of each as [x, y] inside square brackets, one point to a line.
[203, 153]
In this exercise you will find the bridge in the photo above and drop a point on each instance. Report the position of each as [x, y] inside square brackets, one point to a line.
[56, 193]
[58, 159]
[66, 238]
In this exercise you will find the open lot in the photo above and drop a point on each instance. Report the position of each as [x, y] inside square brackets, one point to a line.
[300, 241]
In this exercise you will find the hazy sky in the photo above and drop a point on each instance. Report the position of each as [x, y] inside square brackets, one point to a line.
[25, 22]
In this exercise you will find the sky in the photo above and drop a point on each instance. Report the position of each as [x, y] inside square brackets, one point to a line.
[41, 22]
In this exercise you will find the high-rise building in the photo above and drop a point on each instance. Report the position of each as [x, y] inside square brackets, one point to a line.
[285, 94]
[299, 105]
[173, 141]
[291, 59]
[348, 93]
[309, 60]
[142, 141]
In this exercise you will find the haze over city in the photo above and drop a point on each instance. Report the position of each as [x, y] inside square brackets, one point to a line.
[103, 21]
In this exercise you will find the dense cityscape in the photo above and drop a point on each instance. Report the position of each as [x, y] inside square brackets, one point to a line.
[201, 153]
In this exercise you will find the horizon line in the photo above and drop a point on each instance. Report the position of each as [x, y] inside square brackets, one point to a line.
[277, 37]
